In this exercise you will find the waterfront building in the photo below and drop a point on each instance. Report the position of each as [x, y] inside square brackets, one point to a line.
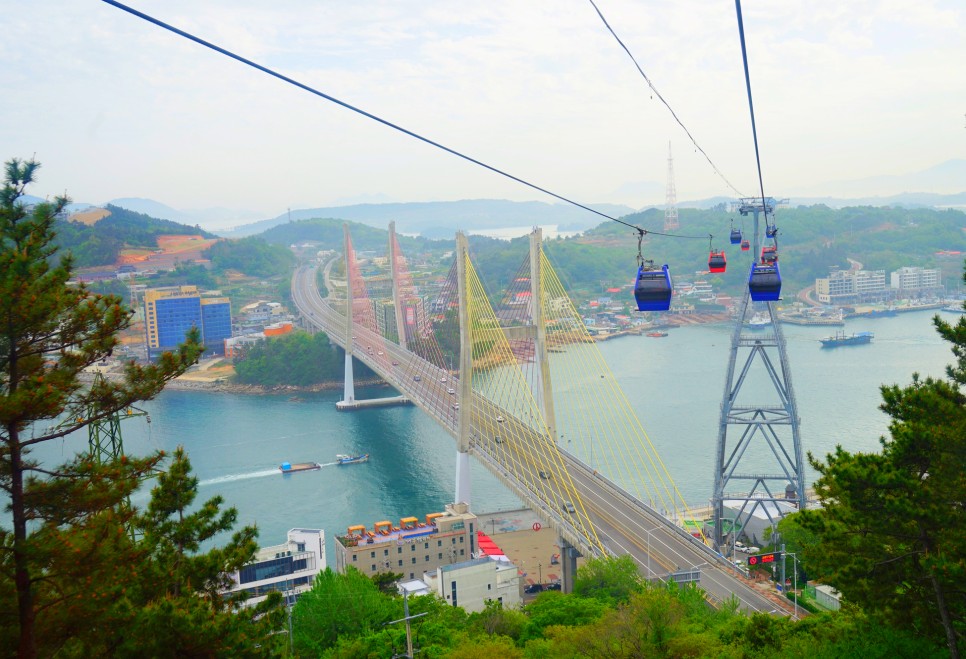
[411, 548]
[843, 286]
[471, 584]
[169, 313]
[915, 281]
[289, 568]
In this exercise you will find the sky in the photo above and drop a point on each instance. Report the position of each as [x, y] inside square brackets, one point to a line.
[113, 106]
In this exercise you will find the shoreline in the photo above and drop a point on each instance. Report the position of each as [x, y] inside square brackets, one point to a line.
[261, 390]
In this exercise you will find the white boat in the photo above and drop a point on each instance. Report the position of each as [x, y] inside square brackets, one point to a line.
[342, 459]
[758, 321]
[954, 308]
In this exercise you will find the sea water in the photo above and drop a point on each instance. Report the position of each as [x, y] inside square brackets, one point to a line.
[675, 384]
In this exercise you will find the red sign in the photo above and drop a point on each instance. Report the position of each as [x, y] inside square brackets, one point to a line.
[763, 558]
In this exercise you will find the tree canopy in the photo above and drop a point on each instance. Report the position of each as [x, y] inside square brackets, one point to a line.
[891, 534]
[73, 582]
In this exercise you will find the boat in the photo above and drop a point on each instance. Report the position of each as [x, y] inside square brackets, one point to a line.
[843, 339]
[954, 308]
[341, 459]
[758, 322]
[289, 468]
[657, 334]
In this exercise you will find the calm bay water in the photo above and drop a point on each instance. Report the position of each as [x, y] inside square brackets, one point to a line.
[675, 384]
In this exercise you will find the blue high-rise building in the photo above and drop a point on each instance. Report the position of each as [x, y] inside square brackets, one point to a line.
[170, 313]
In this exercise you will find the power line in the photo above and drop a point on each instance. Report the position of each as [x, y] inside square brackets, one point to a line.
[312, 90]
[751, 105]
[666, 104]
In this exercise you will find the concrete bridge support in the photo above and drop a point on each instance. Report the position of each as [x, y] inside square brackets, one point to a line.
[349, 388]
[568, 566]
[465, 376]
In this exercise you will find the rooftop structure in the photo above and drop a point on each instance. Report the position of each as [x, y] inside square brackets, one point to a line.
[412, 547]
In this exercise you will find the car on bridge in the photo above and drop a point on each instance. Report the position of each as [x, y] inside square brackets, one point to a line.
[500, 419]
[544, 475]
[451, 391]
[416, 378]
[443, 379]
[569, 507]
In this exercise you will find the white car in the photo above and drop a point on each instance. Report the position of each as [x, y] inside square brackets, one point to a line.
[443, 379]
[451, 391]
[381, 353]
[739, 545]
[751, 550]
[500, 419]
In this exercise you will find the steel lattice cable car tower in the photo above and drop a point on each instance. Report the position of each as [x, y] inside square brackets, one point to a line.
[671, 199]
[759, 453]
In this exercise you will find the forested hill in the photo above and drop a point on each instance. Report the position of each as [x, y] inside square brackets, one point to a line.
[101, 242]
[811, 240]
[327, 233]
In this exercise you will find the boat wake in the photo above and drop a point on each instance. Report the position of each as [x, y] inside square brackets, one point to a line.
[238, 477]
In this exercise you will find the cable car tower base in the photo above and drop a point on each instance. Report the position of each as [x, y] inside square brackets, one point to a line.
[759, 467]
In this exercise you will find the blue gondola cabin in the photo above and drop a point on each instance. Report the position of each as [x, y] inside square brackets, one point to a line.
[652, 290]
[735, 236]
[765, 282]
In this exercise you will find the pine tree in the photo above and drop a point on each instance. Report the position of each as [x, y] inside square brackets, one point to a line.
[50, 331]
[891, 535]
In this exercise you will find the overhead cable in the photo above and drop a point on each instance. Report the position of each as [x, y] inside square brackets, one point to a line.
[666, 104]
[312, 90]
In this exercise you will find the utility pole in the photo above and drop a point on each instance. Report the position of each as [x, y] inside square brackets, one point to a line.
[409, 634]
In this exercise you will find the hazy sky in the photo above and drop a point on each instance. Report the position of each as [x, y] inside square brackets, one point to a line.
[116, 107]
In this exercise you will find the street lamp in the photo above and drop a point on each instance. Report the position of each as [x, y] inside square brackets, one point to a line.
[795, 587]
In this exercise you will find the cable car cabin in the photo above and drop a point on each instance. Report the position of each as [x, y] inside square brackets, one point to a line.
[735, 236]
[772, 231]
[765, 282]
[745, 245]
[717, 261]
[652, 290]
[769, 254]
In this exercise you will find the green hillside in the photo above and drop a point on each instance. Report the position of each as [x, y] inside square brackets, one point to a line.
[99, 244]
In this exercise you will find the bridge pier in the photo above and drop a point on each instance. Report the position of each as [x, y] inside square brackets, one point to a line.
[349, 387]
[568, 566]
[465, 384]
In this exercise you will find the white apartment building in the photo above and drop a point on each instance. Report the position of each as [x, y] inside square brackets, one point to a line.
[850, 285]
[289, 568]
[915, 279]
[471, 584]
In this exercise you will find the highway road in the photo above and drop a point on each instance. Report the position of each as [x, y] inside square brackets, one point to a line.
[592, 513]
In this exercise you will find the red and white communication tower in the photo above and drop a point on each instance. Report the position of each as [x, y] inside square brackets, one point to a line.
[671, 209]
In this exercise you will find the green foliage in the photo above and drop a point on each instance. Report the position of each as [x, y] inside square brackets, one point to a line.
[891, 535]
[496, 620]
[811, 240]
[186, 274]
[102, 242]
[340, 605]
[609, 580]
[297, 359]
[552, 608]
[252, 256]
[328, 234]
[72, 581]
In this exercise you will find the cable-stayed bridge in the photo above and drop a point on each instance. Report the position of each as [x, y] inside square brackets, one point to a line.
[506, 386]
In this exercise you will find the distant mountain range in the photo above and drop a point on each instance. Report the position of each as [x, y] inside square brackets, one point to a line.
[439, 219]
